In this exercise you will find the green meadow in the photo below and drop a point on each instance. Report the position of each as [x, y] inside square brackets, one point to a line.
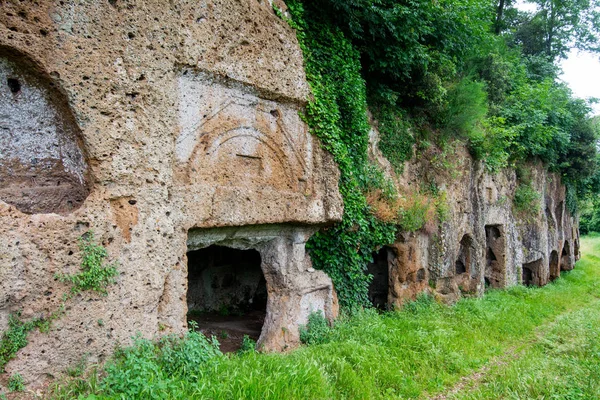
[519, 343]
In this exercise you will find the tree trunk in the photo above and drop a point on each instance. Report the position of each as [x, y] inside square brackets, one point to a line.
[499, 12]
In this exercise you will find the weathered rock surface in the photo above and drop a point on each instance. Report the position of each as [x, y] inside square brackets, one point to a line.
[164, 127]
[484, 242]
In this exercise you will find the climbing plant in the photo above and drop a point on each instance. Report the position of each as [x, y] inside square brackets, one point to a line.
[337, 114]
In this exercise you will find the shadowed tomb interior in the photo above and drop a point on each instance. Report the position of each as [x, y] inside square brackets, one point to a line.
[227, 294]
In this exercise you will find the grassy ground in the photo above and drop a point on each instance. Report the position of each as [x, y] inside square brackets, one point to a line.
[522, 343]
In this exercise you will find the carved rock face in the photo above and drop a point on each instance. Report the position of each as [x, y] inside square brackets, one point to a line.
[42, 167]
[188, 112]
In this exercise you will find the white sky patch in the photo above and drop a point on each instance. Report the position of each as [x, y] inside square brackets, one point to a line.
[581, 71]
[526, 6]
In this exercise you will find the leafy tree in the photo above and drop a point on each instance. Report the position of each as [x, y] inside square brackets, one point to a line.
[560, 25]
[408, 48]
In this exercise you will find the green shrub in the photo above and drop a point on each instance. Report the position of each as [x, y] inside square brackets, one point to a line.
[317, 330]
[414, 215]
[492, 143]
[133, 368]
[16, 383]
[465, 109]
[526, 199]
[396, 138]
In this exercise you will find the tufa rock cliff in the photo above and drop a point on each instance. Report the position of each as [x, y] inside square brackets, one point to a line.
[172, 131]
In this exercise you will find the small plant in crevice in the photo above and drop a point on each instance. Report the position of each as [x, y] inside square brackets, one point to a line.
[78, 368]
[15, 337]
[16, 383]
[526, 200]
[95, 273]
[443, 160]
[317, 330]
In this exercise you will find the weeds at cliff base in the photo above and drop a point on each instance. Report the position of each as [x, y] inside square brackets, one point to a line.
[545, 340]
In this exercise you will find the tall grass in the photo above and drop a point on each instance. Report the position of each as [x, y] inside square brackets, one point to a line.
[549, 333]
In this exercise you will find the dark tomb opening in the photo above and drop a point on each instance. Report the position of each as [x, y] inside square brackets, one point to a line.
[495, 256]
[460, 267]
[566, 264]
[227, 294]
[380, 284]
[554, 266]
[527, 276]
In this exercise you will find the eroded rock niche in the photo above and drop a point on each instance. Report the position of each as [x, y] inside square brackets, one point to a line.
[566, 261]
[532, 273]
[495, 254]
[465, 263]
[42, 166]
[554, 265]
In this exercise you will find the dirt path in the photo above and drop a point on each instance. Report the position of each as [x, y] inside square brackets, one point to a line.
[472, 381]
